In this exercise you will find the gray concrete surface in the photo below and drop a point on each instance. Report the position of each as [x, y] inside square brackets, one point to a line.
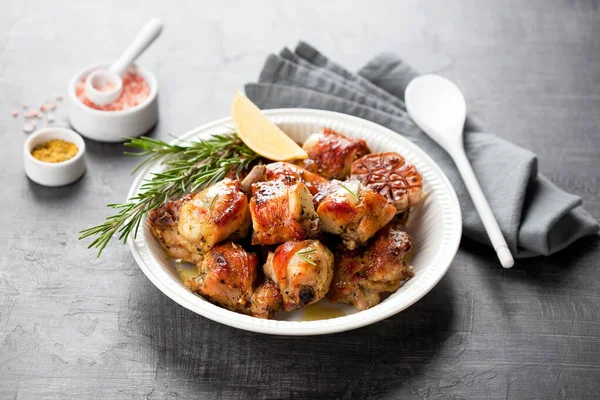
[74, 326]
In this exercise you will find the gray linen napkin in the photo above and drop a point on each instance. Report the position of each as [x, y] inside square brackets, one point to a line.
[536, 217]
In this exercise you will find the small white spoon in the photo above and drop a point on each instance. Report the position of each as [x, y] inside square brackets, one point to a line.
[101, 78]
[438, 107]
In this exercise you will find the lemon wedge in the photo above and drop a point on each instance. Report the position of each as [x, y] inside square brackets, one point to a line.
[261, 135]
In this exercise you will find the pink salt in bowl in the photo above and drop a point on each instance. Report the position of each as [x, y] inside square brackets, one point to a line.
[112, 126]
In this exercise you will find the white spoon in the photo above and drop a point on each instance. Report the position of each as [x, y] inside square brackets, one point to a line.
[110, 79]
[438, 107]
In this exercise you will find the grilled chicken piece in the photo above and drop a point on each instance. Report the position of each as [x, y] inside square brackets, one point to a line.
[362, 275]
[266, 300]
[287, 173]
[353, 211]
[163, 222]
[216, 213]
[331, 154]
[302, 270]
[281, 213]
[227, 275]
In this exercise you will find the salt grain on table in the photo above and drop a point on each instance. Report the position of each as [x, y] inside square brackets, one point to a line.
[48, 107]
[14, 112]
[59, 98]
[32, 113]
[50, 117]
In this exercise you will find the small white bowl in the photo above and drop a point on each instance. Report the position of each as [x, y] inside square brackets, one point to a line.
[54, 174]
[112, 126]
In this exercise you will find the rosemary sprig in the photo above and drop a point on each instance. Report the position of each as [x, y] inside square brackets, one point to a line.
[355, 194]
[302, 254]
[188, 168]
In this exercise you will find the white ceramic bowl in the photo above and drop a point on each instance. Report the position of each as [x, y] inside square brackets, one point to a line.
[54, 174]
[112, 126]
[435, 227]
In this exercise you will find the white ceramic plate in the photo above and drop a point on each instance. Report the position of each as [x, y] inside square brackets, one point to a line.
[435, 227]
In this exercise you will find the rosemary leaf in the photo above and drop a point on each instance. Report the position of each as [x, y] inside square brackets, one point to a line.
[308, 260]
[213, 201]
[209, 205]
[303, 255]
[355, 194]
[307, 251]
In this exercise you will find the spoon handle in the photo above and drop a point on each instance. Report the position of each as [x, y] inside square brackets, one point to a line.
[145, 36]
[482, 206]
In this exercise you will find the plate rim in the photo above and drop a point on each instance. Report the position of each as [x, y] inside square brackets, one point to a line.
[301, 328]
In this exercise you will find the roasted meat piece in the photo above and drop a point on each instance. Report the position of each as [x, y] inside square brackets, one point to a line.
[391, 176]
[353, 211]
[281, 213]
[163, 222]
[330, 154]
[302, 270]
[361, 275]
[287, 173]
[214, 214]
[190, 226]
[227, 275]
[266, 300]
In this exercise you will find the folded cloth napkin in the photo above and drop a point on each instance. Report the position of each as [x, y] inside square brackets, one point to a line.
[536, 217]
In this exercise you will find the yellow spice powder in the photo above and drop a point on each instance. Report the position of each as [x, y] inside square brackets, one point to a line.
[54, 151]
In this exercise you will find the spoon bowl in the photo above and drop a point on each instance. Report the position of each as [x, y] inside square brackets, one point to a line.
[103, 86]
[438, 106]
